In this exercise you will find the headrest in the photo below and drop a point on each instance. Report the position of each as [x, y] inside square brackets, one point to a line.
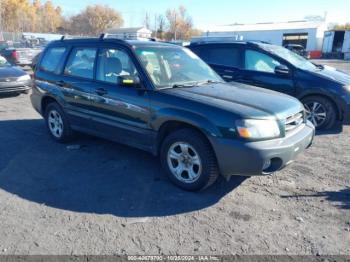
[113, 65]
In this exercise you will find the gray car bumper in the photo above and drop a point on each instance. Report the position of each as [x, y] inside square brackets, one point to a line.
[15, 86]
[251, 158]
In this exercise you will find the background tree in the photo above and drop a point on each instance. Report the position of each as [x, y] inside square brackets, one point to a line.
[180, 25]
[147, 21]
[160, 26]
[342, 27]
[94, 20]
[29, 16]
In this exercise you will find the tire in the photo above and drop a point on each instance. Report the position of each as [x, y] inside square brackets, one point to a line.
[173, 154]
[56, 119]
[326, 108]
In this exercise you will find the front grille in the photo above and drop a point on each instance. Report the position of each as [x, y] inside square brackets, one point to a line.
[8, 79]
[294, 121]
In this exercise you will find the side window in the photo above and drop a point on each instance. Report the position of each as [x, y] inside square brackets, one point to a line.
[222, 55]
[81, 63]
[52, 58]
[113, 63]
[256, 61]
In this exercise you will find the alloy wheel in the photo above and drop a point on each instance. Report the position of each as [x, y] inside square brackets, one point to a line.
[184, 162]
[316, 113]
[55, 123]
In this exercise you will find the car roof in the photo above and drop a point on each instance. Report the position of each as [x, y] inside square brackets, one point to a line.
[220, 42]
[129, 43]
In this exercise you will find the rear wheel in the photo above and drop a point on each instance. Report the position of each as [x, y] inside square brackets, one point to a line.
[57, 123]
[320, 111]
[189, 160]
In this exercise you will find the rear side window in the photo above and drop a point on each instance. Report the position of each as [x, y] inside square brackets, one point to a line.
[81, 63]
[52, 59]
[222, 55]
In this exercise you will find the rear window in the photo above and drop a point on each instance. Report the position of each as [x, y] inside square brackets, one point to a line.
[81, 63]
[222, 55]
[52, 59]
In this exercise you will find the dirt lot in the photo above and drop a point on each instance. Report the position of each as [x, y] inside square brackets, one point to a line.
[106, 198]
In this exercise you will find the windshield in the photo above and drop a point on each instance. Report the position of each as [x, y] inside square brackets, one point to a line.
[3, 62]
[171, 66]
[291, 57]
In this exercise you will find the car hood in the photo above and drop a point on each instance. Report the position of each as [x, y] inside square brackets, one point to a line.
[333, 74]
[11, 71]
[244, 100]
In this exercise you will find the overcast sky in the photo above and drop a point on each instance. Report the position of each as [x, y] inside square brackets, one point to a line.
[206, 13]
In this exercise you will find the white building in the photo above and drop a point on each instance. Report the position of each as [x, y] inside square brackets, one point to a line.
[307, 33]
[131, 33]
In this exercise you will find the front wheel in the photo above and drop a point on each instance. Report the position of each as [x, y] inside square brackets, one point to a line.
[320, 111]
[188, 159]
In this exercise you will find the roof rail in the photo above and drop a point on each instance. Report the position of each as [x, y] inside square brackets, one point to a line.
[102, 36]
[110, 36]
[68, 37]
[255, 42]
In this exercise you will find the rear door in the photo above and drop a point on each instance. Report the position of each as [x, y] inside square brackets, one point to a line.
[259, 70]
[76, 84]
[225, 59]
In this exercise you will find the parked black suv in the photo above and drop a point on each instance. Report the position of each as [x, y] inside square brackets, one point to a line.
[164, 99]
[324, 91]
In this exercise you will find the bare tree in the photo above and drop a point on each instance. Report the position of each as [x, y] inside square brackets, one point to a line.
[146, 21]
[180, 24]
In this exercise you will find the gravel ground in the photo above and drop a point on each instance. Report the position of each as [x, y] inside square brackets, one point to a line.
[105, 198]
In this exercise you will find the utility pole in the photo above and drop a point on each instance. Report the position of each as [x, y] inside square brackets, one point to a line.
[155, 25]
[1, 35]
[175, 27]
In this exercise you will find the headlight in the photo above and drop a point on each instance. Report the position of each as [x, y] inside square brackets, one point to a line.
[257, 129]
[23, 78]
[347, 88]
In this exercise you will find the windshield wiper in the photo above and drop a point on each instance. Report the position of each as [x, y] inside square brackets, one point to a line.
[197, 83]
[321, 67]
[209, 82]
[184, 85]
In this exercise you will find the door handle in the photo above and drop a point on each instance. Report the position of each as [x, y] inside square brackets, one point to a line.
[60, 83]
[101, 91]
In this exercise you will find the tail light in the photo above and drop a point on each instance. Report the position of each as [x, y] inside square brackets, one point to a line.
[14, 55]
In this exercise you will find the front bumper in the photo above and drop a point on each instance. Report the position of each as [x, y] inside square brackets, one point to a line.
[15, 87]
[237, 157]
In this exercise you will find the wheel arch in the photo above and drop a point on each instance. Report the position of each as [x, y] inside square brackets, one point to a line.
[46, 100]
[172, 125]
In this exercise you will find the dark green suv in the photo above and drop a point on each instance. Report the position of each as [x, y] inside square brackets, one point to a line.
[163, 99]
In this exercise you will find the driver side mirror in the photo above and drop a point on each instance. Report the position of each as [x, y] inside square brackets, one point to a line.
[282, 70]
[129, 81]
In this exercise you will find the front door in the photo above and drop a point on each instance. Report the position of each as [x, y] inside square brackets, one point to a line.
[259, 70]
[121, 113]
